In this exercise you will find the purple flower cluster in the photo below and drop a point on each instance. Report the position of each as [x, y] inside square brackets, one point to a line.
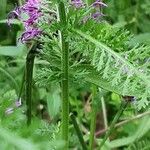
[77, 3]
[96, 13]
[97, 5]
[31, 9]
[10, 110]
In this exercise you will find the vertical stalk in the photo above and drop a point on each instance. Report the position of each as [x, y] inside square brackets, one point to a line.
[93, 119]
[104, 112]
[65, 67]
[29, 75]
[136, 16]
[117, 116]
[79, 133]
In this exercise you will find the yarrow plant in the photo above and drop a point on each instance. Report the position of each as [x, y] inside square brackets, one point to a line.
[76, 28]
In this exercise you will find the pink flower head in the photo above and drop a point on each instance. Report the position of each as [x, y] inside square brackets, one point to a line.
[30, 33]
[32, 9]
[77, 3]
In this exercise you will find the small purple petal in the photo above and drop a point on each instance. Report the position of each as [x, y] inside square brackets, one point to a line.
[9, 111]
[77, 3]
[98, 3]
[97, 15]
[29, 34]
[14, 14]
[18, 103]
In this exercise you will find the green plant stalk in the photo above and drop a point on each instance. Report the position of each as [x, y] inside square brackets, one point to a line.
[117, 116]
[65, 68]
[79, 133]
[28, 78]
[104, 112]
[93, 119]
[136, 17]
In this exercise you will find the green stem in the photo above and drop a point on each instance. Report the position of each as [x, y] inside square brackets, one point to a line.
[104, 112]
[79, 133]
[65, 68]
[93, 119]
[117, 116]
[136, 17]
[29, 76]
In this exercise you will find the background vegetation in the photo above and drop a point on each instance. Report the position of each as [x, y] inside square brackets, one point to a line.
[133, 15]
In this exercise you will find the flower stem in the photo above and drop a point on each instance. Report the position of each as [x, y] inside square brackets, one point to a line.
[117, 116]
[79, 133]
[104, 112]
[93, 119]
[29, 76]
[65, 67]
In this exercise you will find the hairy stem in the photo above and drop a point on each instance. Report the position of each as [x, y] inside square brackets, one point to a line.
[117, 116]
[93, 119]
[65, 67]
[28, 77]
[79, 133]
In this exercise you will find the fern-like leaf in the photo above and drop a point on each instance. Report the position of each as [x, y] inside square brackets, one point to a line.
[120, 71]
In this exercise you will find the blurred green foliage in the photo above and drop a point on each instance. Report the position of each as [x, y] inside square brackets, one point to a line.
[133, 15]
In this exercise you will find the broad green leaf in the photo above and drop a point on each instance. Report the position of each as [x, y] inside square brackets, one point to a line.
[11, 50]
[141, 38]
[143, 128]
[16, 141]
